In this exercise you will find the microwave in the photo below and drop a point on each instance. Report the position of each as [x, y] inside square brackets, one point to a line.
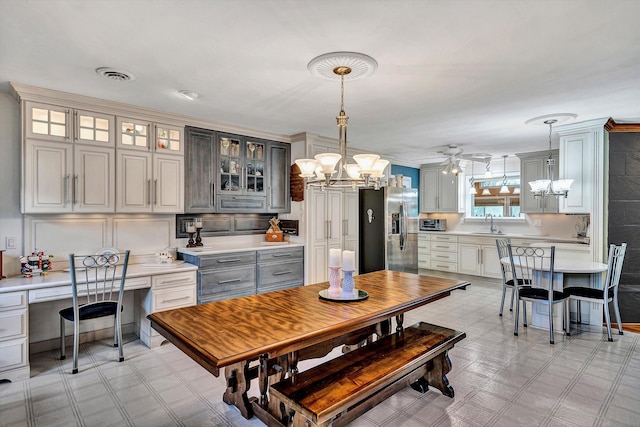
[429, 224]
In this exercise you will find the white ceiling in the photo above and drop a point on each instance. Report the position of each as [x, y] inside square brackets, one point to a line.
[464, 72]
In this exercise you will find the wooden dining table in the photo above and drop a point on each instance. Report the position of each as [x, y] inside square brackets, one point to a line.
[264, 336]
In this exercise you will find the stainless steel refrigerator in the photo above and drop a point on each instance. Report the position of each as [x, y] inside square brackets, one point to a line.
[388, 230]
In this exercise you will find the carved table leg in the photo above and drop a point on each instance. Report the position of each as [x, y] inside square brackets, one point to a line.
[238, 383]
[436, 376]
[263, 379]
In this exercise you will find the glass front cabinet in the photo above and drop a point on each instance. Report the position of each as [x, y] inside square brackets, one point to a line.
[241, 172]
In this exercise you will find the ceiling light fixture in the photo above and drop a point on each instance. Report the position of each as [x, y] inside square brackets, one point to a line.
[188, 94]
[487, 173]
[504, 189]
[472, 185]
[321, 171]
[548, 187]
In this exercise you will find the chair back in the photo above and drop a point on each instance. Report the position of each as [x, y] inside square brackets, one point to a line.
[503, 252]
[93, 277]
[533, 265]
[616, 258]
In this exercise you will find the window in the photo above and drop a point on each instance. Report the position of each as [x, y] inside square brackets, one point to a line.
[489, 200]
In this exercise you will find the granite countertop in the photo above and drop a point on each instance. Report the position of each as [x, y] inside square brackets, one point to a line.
[541, 237]
[61, 278]
[237, 247]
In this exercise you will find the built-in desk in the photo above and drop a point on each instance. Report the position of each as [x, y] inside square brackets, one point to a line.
[155, 289]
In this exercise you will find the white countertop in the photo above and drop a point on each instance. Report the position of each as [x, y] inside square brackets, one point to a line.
[542, 237]
[62, 278]
[237, 247]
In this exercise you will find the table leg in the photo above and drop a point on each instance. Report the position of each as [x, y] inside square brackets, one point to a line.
[238, 384]
[399, 321]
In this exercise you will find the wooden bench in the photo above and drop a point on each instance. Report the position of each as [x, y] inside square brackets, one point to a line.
[337, 391]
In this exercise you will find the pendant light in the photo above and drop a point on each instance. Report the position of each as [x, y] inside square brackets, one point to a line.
[548, 187]
[472, 188]
[504, 189]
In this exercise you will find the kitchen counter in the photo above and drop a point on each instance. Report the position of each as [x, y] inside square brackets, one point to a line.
[541, 237]
[58, 278]
[238, 247]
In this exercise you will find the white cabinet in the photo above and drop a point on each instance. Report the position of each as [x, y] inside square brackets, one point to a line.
[478, 257]
[533, 166]
[168, 291]
[424, 251]
[14, 328]
[69, 161]
[444, 252]
[438, 192]
[350, 213]
[150, 176]
[576, 162]
[326, 230]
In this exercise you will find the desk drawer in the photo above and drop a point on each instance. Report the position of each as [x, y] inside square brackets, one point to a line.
[13, 324]
[63, 292]
[173, 280]
[13, 354]
[226, 283]
[176, 297]
[443, 247]
[13, 300]
[226, 260]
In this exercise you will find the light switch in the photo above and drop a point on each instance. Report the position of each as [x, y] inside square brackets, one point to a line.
[11, 242]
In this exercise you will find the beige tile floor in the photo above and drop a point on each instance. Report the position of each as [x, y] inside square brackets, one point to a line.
[499, 380]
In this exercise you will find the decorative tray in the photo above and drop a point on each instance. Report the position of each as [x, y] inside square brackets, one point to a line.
[358, 295]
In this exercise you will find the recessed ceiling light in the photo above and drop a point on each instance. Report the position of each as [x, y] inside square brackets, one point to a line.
[115, 74]
[190, 95]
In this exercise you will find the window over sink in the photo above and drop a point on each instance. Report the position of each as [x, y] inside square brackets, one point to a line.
[488, 199]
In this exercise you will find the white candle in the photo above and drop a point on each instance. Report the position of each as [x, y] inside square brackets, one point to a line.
[334, 257]
[191, 229]
[348, 260]
[198, 222]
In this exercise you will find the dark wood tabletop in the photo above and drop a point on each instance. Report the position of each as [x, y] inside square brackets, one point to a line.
[221, 333]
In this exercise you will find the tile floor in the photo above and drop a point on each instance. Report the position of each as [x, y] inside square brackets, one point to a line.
[499, 380]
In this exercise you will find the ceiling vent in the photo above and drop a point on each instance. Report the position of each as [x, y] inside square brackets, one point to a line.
[115, 74]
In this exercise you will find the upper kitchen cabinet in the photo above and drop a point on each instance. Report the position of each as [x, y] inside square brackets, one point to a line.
[149, 167]
[278, 174]
[68, 159]
[576, 162]
[534, 166]
[438, 192]
[200, 171]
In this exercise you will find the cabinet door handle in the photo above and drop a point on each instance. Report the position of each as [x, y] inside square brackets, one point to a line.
[223, 282]
[176, 299]
[280, 255]
[67, 127]
[148, 192]
[222, 261]
[281, 273]
[213, 194]
[66, 189]
[345, 227]
[326, 229]
[149, 138]
[155, 192]
[75, 190]
[171, 282]
[76, 127]
[478, 257]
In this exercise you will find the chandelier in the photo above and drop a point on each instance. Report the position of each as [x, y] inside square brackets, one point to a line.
[549, 187]
[331, 169]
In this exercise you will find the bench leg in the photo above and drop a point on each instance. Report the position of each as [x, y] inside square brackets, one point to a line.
[238, 383]
[399, 322]
[436, 375]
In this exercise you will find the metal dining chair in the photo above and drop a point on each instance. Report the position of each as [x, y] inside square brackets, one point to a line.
[96, 292]
[608, 293]
[534, 265]
[507, 274]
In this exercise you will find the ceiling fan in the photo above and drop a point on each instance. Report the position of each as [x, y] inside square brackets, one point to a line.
[454, 155]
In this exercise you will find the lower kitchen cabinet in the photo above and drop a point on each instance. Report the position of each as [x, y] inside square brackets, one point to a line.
[424, 251]
[444, 252]
[280, 269]
[14, 344]
[168, 291]
[235, 274]
[478, 257]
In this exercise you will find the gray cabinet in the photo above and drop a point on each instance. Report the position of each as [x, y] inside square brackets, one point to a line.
[533, 166]
[278, 175]
[200, 175]
[236, 274]
[280, 269]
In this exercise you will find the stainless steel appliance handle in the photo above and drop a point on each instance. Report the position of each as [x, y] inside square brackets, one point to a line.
[402, 226]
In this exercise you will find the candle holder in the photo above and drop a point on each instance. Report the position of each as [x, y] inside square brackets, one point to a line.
[348, 285]
[190, 228]
[198, 228]
[334, 281]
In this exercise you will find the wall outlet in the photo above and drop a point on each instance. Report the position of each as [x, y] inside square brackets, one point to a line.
[537, 223]
[10, 242]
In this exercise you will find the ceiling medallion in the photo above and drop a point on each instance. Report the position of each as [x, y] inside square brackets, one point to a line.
[115, 74]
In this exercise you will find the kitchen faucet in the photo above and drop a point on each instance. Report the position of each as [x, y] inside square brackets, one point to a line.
[492, 228]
